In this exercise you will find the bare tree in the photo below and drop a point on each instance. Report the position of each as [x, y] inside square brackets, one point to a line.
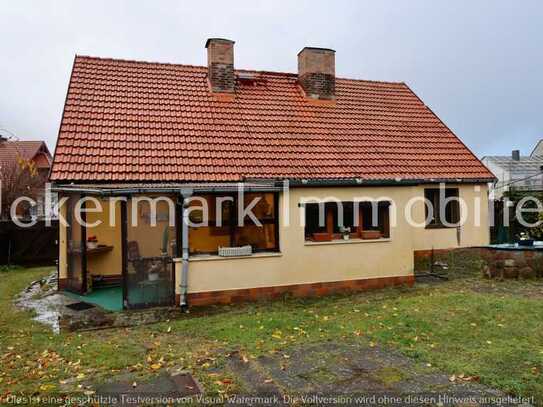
[19, 177]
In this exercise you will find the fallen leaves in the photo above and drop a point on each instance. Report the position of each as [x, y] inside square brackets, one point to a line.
[277, 335]
[47, 387]
[463, 378]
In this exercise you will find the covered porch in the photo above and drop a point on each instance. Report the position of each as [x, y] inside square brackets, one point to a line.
[120, 243]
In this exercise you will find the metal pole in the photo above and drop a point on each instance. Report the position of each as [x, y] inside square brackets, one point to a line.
[185, 248]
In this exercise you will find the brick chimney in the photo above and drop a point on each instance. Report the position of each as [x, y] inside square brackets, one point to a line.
[317, 72]
[220, 65]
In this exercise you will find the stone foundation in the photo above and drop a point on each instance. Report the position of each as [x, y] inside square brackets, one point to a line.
[500, 263]
[524, 264]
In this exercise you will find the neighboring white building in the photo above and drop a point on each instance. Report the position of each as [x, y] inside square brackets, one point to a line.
[515, 171]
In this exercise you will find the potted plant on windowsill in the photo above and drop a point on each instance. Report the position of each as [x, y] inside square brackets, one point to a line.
[345, 232]
[370, 234]
[321, 237]
[525, 240]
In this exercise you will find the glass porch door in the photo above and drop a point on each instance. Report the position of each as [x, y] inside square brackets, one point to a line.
[149, 247]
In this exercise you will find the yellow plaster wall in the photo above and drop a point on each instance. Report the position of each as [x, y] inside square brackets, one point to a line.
[106, 263]
[300, 262]
[476, 198]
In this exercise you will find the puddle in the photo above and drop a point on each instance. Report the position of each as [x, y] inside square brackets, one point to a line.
[43, 298]
[51, 309]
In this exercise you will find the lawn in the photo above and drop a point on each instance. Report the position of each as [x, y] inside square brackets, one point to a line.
[468, 326]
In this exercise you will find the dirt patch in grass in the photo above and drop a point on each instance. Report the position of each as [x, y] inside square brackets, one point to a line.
[349, 369]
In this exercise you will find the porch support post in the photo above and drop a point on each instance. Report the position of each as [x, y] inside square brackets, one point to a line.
[124, 249]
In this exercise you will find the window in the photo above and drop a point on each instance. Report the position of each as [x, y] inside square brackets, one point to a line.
[224, 231]
[360, 220]
[451, 210]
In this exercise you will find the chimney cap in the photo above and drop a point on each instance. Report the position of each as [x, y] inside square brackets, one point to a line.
[316, 49]
[216, 39]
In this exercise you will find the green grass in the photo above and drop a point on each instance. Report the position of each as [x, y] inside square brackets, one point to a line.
[468, 325]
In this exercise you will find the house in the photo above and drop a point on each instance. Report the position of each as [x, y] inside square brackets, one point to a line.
[216, 139]
[14, 155]
[516, 172]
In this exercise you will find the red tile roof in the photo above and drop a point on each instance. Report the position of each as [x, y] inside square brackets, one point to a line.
[140, 121]
[36, 150]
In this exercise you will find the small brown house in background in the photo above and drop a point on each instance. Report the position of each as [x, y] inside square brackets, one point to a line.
[17, 160]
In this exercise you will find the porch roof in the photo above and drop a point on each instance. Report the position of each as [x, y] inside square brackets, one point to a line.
[175, 188]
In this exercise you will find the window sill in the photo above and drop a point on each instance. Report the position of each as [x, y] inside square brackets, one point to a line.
[214, 257]
[439, 226]
[350, 241]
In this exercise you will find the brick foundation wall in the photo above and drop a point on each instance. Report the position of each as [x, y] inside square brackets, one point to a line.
[427, 254]
[298, 290]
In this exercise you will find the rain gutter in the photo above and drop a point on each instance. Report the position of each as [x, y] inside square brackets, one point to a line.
[391, 182]
[183, 303]
[167, 190]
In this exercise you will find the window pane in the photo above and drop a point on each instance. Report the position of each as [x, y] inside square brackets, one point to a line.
[264, 209]
[384, 218]
[260, 238]
[207, 239]
[333, 225]
[225, 232]
[348, 218]
[312, 224]
[452, 209]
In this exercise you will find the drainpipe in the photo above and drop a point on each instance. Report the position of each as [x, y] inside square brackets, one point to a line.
[184, 249]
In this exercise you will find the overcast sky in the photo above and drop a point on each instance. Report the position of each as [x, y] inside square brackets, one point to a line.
[477, 64]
